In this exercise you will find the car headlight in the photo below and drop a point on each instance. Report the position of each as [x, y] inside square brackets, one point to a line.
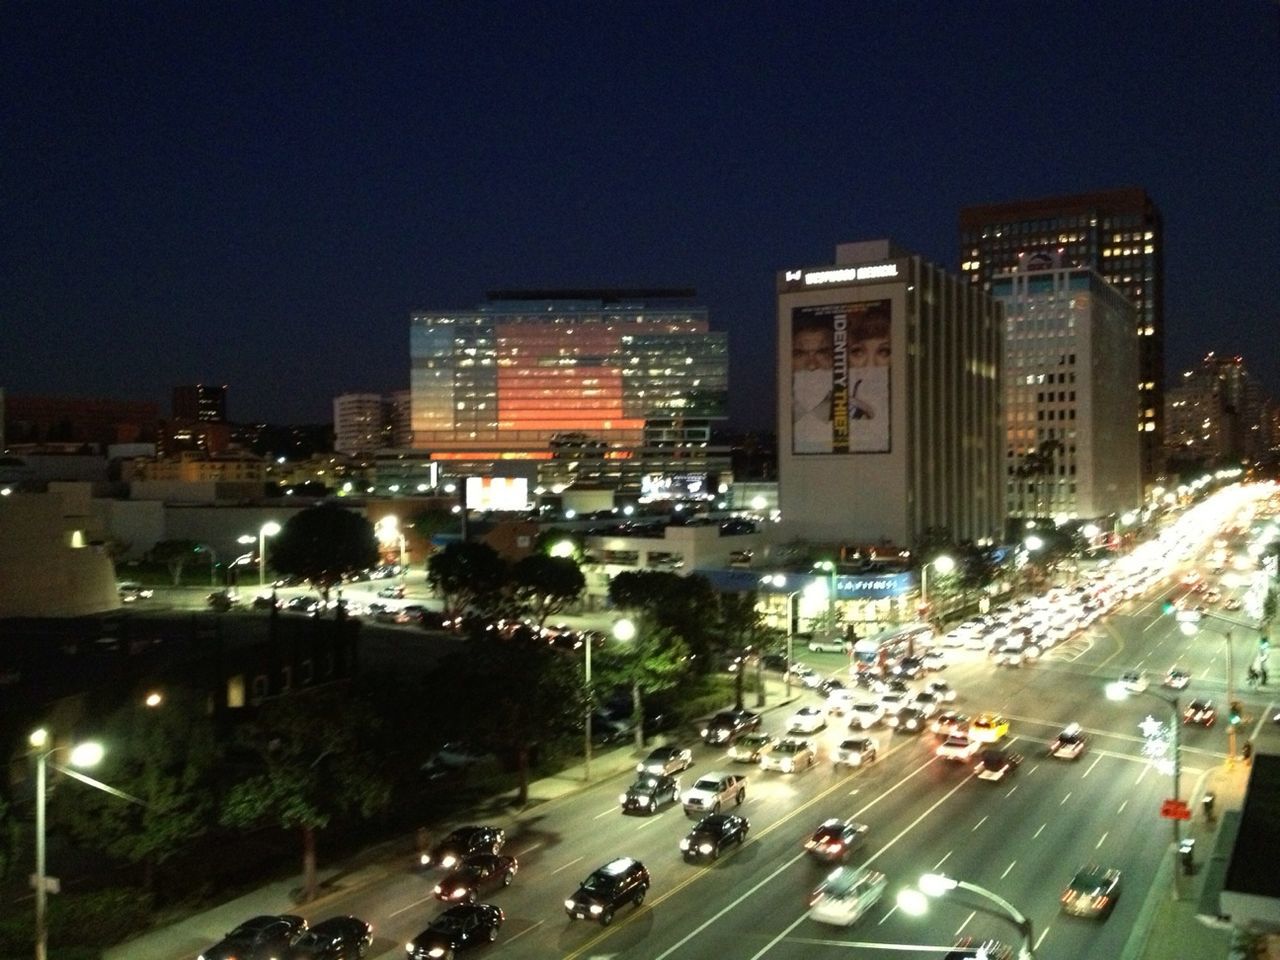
[408, 948]
[449, 860]
[436, 952]
[786, 766]
[568, 904]
[705, 731]
[639, 768]
[643, 801]
[424, 860]
[459, 893]
[684, 844]
[596, 908]
[622, 798]
[705, 848]
[437, 889]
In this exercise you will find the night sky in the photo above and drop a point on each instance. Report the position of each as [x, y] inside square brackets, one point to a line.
[258, 194]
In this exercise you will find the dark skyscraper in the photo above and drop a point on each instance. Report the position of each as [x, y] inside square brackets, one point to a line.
[1119, 233]
[200, 402]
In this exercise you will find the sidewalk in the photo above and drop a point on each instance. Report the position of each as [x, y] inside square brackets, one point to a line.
[185, 938]
[1168, 929]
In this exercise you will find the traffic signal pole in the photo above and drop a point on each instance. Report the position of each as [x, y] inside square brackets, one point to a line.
[1231, 699]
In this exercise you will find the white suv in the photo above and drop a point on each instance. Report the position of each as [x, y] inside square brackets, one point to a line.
[711, 791]
[865, 715]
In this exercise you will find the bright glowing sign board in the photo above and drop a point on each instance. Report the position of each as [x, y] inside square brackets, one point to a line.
[497, 493]
[877, 271]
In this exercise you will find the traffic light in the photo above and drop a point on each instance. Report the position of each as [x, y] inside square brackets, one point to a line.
[1233, 715]
[1168, 606]
[1263, 643]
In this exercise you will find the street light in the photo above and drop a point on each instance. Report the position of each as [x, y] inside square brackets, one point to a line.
[389, 532]
[268, 529]
[944, 565]
[86, 754]
[829, 568]
[1190, 622]
[213, 562]
[1118, 691]
[915, 901]
[780, 580]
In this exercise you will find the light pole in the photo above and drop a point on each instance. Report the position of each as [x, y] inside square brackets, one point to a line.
[915, 901]
[82, 755]
[829, 568]
[1118, 691]
[780, 580]
[213, 562]
[268, 529]
[944, 565]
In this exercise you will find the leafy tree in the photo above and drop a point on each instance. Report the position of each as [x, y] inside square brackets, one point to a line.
[427, 523]
[313, 767]
[741, 628]
[165, 757]
[176, 554]
[656, 659]
[546, 585]
[677, 603]
[468, 576]
[505, 695]
[323, 544]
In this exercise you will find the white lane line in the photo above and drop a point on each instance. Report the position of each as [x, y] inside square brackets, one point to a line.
[1010, 793]
[1091, 766]
[1265, 715]
[960, 929]
[943, 860]
[1007, 869]
[1040, 831]
[415, 903]
[1143, 775]
[978, 824]
[565, 866]
[1033, 769]
[528, 850]
[1122, 806]
[1066, 798]
[892, 911]
[532, 928]
[853, 792]
[1040, 938]
[649, 821]
[1101, 840]
[611, 810]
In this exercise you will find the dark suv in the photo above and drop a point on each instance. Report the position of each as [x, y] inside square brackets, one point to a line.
[728, 725]
[610, 888]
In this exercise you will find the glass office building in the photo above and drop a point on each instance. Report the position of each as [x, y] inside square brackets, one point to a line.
[602, 387]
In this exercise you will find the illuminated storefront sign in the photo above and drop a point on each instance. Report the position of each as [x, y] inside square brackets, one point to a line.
[877, 271]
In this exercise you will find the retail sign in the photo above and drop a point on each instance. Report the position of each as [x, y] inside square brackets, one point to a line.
[1175, 810]
[875, 271]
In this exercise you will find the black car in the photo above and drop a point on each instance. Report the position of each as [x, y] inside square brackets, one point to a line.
[649, 792]
[712, 834]
[826, 686]
[464, 842]
[835, 839]
[995, 764]
[338, 938]
[907, 720]
[262, 938]
[608, 890]
[302, 604]
[466, 925]
[479, 873]
[908, 667]
[728, 725]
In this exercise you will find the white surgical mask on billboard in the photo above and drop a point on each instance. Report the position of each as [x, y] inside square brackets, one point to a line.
[811, 387]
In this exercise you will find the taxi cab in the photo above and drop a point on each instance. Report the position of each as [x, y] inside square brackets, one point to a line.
[988, 728]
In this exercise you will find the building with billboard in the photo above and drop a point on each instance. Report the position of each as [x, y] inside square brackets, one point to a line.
[599, 387]
[889, 417]
[1070, 361]
[1120, 234]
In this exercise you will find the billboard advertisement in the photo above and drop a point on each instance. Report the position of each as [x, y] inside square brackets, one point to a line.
[841, 361]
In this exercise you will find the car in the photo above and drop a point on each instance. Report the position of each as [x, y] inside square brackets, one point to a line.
[827, 645]
[949, 722]
[1092, 892]
[452, 757]
[392, 593]
[728, 725]
[131, 591]
[1009, 656]
[302, 604]
[1069, 744]
[925, 702]
[907, 720]
[892, 701]
[265, 601]
[1177, 678]
[751, 748]
[967, 948]
[866, 680]
[775, 661]
[989, 727]
[807, 676]
[1232, 604]
[466, 925]
[338, 938]
[608, 889]
[222, 600]
[942, 690]
[1134, 681]
[669, 759]
[712, 834]
[464, 842]
[807, 720]
[649, 792]
[259, 938]
[855, 752]
[996, 764]
[711, 791]
[835, 840]
[839, 701]
[476, 874]
[908, 667]
[934, 660]
[829, 685]
[865, 715]
[1201, 712]
[846, 894]
[790, 755]
[956, 747]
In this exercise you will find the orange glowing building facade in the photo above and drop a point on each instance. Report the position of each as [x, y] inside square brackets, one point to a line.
[579, 377]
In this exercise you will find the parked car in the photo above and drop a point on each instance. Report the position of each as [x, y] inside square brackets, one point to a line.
[260, 938]
[712, 834]
[338, 938]
[607, 890]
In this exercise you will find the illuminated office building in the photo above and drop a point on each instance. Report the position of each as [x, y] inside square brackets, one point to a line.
[1070, 360]
[1118, 233]
[614, 388]
[200, 402]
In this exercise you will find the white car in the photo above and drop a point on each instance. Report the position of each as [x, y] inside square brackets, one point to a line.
[826, 645]
[790, 755]
[925, 702]
[840, 700]
[934, 660]
[892, 702]
[865, 715]
[1134, 681]
[941, 690]
[957, 747]
[855, 752]
[1069, 744]
[807, 720]
[846, 894]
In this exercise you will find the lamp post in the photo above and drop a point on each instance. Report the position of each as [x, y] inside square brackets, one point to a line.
[268, 529]
[1118, 691]
[82, 755]
[780, 580]
[213, 562]
[944, 565]
[1190, 622]
[915, 901]
[829, 568]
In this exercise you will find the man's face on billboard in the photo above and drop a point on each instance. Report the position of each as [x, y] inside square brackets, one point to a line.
[811, 350]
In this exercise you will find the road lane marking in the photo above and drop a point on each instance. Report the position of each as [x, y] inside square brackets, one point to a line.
[1091, 766]
[528, 850]
[1065, 799]
[960, 929]
[1122, 806]
[611, 810]
[565, 867]
[943, 860]
[978, 824]
[1101, 839]
[1040, 938]
[892, 911]
[524, 931]
[1040, 831]
[1266, 714]
[1010, 793]
[1033, 769]
[1146, 768]
[1007, 869]
[649, 821]
[415, 903]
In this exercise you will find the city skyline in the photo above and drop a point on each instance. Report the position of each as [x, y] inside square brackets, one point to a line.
[264, 201]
